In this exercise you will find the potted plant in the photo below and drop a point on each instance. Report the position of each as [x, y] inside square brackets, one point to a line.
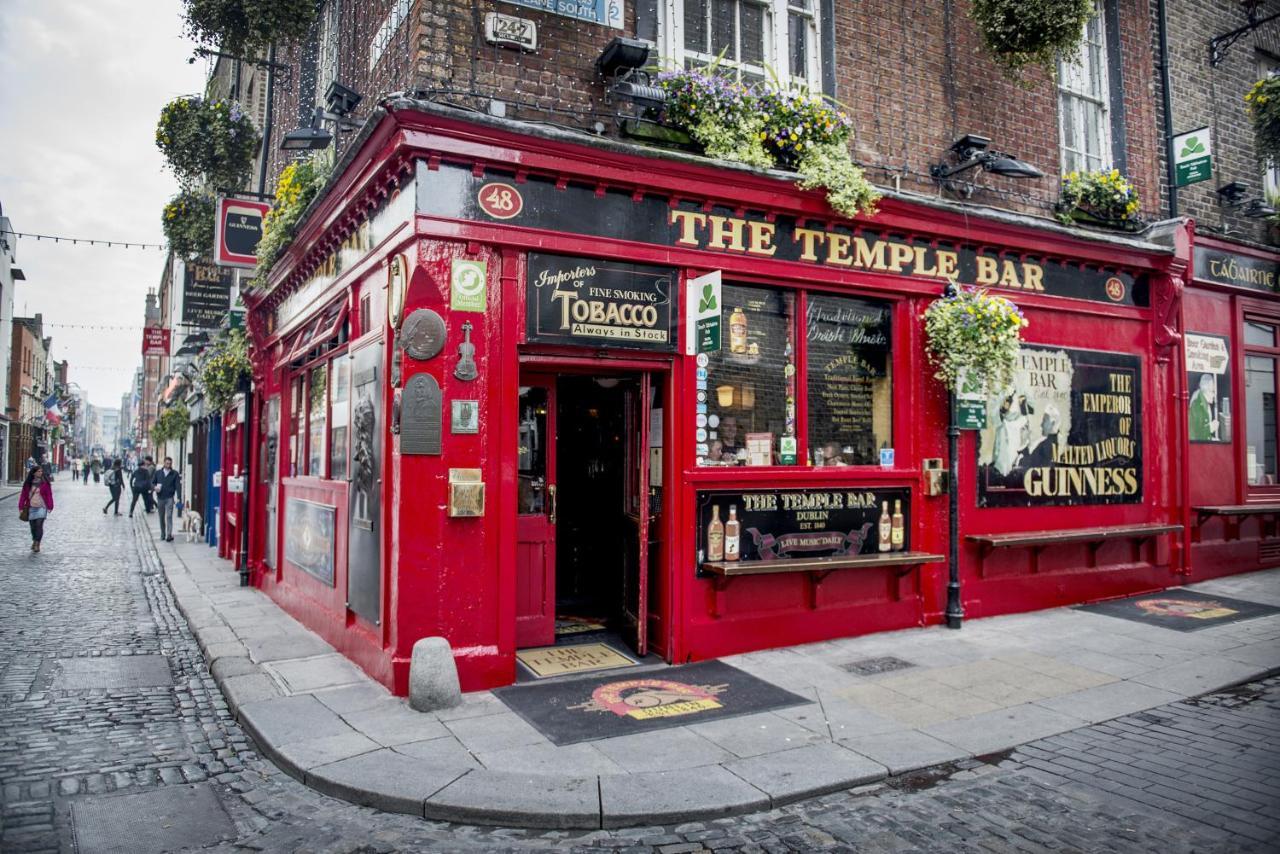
[1103, 197]
[1031, 33]
[972, 330]
[225, 368]
[247, 27]
[188, 223]
[171, 424]
[1262, 102]
[210, 142]
[298, 186]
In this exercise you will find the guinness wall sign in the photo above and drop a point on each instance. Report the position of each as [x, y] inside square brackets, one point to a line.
[597, 303]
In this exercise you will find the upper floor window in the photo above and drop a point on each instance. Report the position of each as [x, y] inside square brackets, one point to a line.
[759, 39]
[327, 49]
[1084, 103]
[1268, 67]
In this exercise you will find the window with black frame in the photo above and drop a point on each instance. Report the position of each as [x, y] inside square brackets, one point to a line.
[850, 380]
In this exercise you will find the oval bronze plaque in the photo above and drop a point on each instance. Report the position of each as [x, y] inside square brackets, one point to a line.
[423, 334]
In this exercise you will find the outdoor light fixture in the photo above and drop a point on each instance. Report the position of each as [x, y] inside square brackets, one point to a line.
[971, 152]
[1232, 195]
[339, 102]
[621, 64]
[1258, 209]
[310, 138]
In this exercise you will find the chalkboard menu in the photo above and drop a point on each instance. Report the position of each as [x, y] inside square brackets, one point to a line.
[1067, 431]
[782, 524]
[850, 416]
[600, 303]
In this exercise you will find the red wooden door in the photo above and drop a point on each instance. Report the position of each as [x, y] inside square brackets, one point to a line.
[636, 602]
[536, 513]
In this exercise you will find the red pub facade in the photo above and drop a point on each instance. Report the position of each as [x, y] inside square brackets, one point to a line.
[508, 375]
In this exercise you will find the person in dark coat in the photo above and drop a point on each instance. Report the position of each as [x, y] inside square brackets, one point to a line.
[115, 483]
[168, 483]
[140, 483]
[36, 500]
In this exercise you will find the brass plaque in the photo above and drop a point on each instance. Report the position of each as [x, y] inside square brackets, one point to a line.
[572, 658]
[466, 493]
[423, 334]
[420, 416]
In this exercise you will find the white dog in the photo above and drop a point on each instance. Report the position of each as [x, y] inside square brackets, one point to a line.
[191, 525]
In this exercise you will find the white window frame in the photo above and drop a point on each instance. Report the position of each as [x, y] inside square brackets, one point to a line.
[1074, 80]
[777, 59]
[1270, 174]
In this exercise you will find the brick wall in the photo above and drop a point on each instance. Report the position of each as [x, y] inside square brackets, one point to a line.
[1203, 95]
[912, 72]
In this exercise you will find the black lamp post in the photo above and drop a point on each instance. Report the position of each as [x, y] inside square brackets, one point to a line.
[955, 610]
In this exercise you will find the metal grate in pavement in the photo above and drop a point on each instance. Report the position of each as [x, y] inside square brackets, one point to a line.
[872, 666]
[170, 819]
[115, 672]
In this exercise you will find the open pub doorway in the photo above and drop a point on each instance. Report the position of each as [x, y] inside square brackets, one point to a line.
[587, 498]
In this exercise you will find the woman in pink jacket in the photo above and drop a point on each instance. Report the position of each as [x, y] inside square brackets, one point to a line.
[36, 500]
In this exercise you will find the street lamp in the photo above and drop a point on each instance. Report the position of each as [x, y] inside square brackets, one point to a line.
[339, 102]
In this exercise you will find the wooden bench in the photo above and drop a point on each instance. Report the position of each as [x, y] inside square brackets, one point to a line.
[1037, 541]
[1234, 513]
[723, 572]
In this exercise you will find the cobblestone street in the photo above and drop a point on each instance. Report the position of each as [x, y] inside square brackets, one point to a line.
[113, 736]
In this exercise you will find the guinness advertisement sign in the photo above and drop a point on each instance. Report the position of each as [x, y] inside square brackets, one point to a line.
[588, 301]
[454, 192]
[1243, 271]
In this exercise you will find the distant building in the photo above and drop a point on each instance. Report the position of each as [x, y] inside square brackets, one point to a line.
[29, 384]
[10, 275]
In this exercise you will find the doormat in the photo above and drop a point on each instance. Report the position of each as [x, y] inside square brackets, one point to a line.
[577, 626]
[1181, 610]
[547, 661]
[573, 711]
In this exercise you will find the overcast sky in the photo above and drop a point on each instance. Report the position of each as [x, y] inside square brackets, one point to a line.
[81, 87]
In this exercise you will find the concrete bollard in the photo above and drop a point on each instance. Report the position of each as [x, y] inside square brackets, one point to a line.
[433, 676]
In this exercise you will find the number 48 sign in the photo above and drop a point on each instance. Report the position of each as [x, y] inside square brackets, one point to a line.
[500, 201]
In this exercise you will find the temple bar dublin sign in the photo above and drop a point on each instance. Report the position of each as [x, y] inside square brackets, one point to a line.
[454, 192]
[600, 303]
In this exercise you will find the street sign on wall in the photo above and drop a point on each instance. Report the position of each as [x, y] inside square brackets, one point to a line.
[155, 341]
[237, 230]
[1192, 154]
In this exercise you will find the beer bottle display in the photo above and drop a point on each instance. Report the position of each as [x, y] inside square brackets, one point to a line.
[886, 528]
[732, 534]
[715, 535]
[897, 533]
[738, 331]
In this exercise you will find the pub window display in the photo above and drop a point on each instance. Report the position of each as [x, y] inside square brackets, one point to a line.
[850, 380]
[319, 408]
[339, 416]
[746, 391]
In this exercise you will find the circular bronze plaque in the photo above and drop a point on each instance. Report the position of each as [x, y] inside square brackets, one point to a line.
[422, 334]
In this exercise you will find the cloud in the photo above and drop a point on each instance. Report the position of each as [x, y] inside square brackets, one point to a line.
[83, 84]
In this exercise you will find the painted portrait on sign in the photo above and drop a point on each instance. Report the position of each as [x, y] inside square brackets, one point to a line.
[1209, 378]
[1067, 430]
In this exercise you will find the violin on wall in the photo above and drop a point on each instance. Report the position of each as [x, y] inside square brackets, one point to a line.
[466, 369]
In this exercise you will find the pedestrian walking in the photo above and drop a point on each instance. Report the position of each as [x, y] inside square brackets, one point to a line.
[140, 483]
[34, 503]
[97, 469]
[75, 468]
[149, 497]
[168, 485]
[115, 483]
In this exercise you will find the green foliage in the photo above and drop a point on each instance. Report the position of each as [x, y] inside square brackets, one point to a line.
[207, 142]
[247, 27]
[188, 223]
[298, 186]
[226, 366]
[171, 424]
[976, 332]
[1031, 33]
[768, 127]
[1104, 197]
[1262, 103]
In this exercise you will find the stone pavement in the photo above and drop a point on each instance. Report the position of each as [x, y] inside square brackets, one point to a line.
[997, 684]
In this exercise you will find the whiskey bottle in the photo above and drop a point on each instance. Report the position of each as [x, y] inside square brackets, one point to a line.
[715, 535]
[886, 528]
[738, 331]
[897, 532]
[732, 534]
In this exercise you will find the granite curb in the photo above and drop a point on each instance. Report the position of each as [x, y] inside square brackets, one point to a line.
[356, 743]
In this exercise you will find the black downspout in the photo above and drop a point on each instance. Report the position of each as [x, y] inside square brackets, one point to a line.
[266, 125]
[1167, 105]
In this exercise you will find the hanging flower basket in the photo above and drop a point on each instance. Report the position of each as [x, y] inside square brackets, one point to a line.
[1031, 33]
[209, 142]
[1262, 102]
[188, 223]
[769, 127]
[247, 27]
[1103, 198]
[971, 330]
[171, 424]
[298, 186]
[225, 368]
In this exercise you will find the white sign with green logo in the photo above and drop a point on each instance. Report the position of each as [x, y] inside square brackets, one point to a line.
[1192, 157]
[971, 402]
[703, 304]
[468, 291]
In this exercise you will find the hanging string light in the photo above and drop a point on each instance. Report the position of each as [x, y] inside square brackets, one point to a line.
[75, 241]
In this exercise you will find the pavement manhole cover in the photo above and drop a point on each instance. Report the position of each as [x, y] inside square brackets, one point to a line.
[114, 672]
[169, 819]
[872, 666]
